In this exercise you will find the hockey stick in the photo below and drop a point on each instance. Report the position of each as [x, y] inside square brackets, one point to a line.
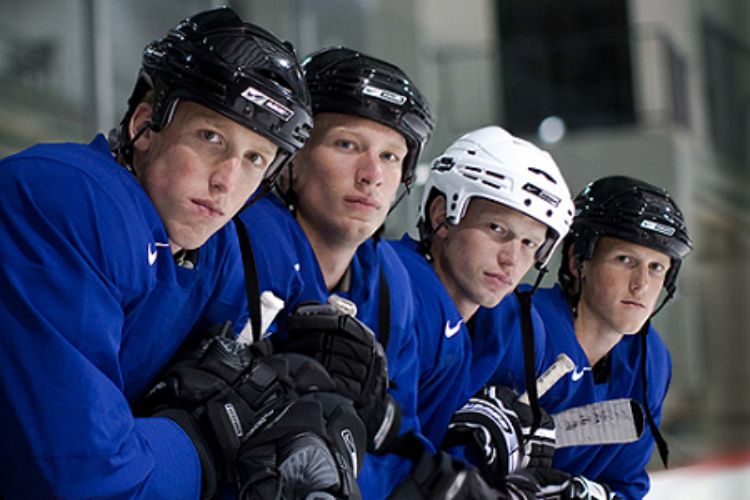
[607, 422]
[562, 365]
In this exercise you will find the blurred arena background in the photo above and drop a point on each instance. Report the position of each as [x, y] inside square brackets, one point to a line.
[658, 89]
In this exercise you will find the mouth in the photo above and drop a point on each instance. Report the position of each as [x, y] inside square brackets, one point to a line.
[633, 303]
[208, 207]
[362, 202]
[500, 280]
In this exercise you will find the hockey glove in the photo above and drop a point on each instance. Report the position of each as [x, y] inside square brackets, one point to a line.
[224, 394]
[354, 358]
[559, 485]
[313, 450]
[494, 428]
[442, 477]
[539, 445]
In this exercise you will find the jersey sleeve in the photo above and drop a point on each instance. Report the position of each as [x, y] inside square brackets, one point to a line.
[66, 427]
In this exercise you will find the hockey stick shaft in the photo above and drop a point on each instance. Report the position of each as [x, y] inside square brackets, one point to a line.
[562, 365]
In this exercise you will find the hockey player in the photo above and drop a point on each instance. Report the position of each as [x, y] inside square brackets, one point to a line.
[371, 123]
[493, 205]
[625, 247]
[112, 257]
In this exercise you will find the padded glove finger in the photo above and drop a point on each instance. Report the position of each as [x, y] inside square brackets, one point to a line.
[539, 445]
[354, 358]
[313, 449]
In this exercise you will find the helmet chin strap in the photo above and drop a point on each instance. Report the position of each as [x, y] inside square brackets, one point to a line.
[124, 152]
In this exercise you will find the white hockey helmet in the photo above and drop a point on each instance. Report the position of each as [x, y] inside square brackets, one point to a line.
[492, 164]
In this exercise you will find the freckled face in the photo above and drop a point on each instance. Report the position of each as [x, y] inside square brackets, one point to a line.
[199, 170]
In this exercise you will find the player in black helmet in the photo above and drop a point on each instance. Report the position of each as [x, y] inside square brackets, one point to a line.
[345, 81]
[107, 270]
[371, 123]
[621, 259]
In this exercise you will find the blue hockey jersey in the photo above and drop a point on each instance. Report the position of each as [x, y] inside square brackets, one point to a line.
[286, 265]
[622, 467]
[455, 361]
[92, 307]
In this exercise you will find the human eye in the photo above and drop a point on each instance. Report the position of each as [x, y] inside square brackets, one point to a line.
[624, 259]
[345, 144]
[211, 136]
[657, 267]
[257, 159]
[530, 244]
[498, 229]
[390, 157]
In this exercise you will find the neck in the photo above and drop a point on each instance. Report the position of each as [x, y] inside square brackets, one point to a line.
[595, 339]
[334, 259]
[465, 307]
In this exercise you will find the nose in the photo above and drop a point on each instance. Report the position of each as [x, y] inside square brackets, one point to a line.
[369, 169]
[224, 176]
[639, 278]
[508, 253]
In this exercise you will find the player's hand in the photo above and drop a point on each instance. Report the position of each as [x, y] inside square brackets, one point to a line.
[494, 429]
[539, 443]
[354, 358]
[314, 450]
[559, 485]
[441, 477]
[226, 395]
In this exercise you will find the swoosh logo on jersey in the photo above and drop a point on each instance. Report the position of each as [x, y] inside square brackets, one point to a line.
[153, 253]
[450, 331]
[576, 375]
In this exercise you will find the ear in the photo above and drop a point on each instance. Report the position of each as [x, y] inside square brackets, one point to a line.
[437, 216]
[138, 121]
[572, 261]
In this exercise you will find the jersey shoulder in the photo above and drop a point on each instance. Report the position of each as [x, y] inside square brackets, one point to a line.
[74, 204]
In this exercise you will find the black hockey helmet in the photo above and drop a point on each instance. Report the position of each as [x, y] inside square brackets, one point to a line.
[232, 67]
[346, 81]
[631, 210]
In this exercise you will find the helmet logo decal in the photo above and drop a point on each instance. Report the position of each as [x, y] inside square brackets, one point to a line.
[656, 227]
[542, 194]
[384, 95]
[258, 98]
[443, 164]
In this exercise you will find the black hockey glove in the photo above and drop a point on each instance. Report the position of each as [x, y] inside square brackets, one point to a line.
[354, 358]
[559, 485]
[494, 429]
[440, 476]
[313, 450]
[225, 394]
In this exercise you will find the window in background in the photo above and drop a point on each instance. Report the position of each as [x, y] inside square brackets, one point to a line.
[566, 59]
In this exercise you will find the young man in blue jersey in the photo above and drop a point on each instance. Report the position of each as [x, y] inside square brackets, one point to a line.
[114, 254]
[623, 253]
[371, 122]
[493, 205]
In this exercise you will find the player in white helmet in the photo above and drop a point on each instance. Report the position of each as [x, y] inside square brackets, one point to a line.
[493, 206]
